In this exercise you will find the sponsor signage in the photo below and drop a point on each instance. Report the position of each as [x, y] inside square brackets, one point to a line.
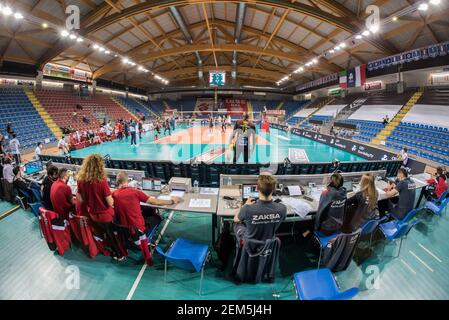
[375, 85]
[319, 82]
[275, 112]
[55, 70]
[353, 147]
[433, 51]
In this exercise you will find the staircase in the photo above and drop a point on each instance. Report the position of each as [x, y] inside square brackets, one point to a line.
[44, 114]
[133, 116]
[344, 114]
[318, 106]
[280, 105]
[166, 105]
[386, 132]
[146, 107]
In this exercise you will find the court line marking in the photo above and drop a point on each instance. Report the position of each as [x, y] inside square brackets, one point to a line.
[408, 266]
[420, 260]
[136, 282]
[144, 267]
[430, 253]
[9, 212]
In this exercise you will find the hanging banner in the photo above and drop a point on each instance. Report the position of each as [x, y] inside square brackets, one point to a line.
[54, 70]
[236, 107]
[433, 51]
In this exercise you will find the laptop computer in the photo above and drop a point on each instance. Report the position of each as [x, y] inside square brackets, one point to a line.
[33, 167]
[249, 191]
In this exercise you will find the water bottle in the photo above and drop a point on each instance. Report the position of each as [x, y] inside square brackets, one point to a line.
[196, 187]
[229, 181]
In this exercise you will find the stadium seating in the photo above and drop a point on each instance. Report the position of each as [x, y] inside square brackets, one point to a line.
[16, 109]
[157, 106]
[133, 106]
[368, 118]
[62, 105]
[425, 129]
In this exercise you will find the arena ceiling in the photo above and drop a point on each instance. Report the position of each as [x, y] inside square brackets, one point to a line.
[263, 41]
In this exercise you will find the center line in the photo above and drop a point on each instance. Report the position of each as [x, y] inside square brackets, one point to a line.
[429, 252]
[420, 260]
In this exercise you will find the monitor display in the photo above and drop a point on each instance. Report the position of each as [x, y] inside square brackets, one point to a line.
[250, 191]
[348, 186]
[33, 167]
[151, 184]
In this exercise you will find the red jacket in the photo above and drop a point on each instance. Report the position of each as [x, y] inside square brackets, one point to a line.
[441, 185]
[55, 231]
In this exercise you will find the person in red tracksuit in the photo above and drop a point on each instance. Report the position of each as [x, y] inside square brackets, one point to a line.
[438, 185]
[94, 192]
[127, 202]
[61, 196]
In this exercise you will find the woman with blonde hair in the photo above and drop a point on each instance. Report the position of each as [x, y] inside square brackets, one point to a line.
[362, 206]
[94, 194]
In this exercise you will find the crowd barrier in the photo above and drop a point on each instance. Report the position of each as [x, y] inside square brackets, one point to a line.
[209, 174]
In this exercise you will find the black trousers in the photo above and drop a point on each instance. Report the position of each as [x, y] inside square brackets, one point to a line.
[108, 229]
[17, 158]
[133, 138]
[238, 150]
[169, 131]
[120, 136]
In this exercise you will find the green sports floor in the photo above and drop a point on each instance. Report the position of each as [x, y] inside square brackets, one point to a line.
[28, 270]
[187, 143]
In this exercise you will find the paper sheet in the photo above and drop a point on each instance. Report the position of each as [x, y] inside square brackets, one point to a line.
[164, 197]
[209, 191]
[298, 206]
[294, 191]
[199, 203]
[177, 193]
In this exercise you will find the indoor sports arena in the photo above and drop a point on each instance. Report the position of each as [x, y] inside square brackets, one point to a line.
[224, 150]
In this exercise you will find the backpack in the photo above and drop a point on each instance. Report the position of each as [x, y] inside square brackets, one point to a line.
[224, 245]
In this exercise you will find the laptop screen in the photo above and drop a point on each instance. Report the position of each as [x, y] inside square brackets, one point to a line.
[33, 167]
[151, 184]
[250, 191]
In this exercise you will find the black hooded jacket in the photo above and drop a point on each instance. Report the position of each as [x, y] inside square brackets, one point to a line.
[331, 210]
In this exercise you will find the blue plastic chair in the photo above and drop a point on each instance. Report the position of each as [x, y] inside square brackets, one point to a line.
[323, 241]
[370, 227]
[320, 285]
[35, 208]
[409, 215]
[394, 230]
[186, 255]
[437, 207]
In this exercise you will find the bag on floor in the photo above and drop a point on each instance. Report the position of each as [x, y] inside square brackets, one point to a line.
[224, 245]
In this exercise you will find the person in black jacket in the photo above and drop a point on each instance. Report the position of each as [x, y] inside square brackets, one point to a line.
[331, 209]
[21, 187]
[52, 176]
[362, 207]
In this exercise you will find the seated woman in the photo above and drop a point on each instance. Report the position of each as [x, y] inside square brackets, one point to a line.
[362, 206]
[331, 209]
[437, 185]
